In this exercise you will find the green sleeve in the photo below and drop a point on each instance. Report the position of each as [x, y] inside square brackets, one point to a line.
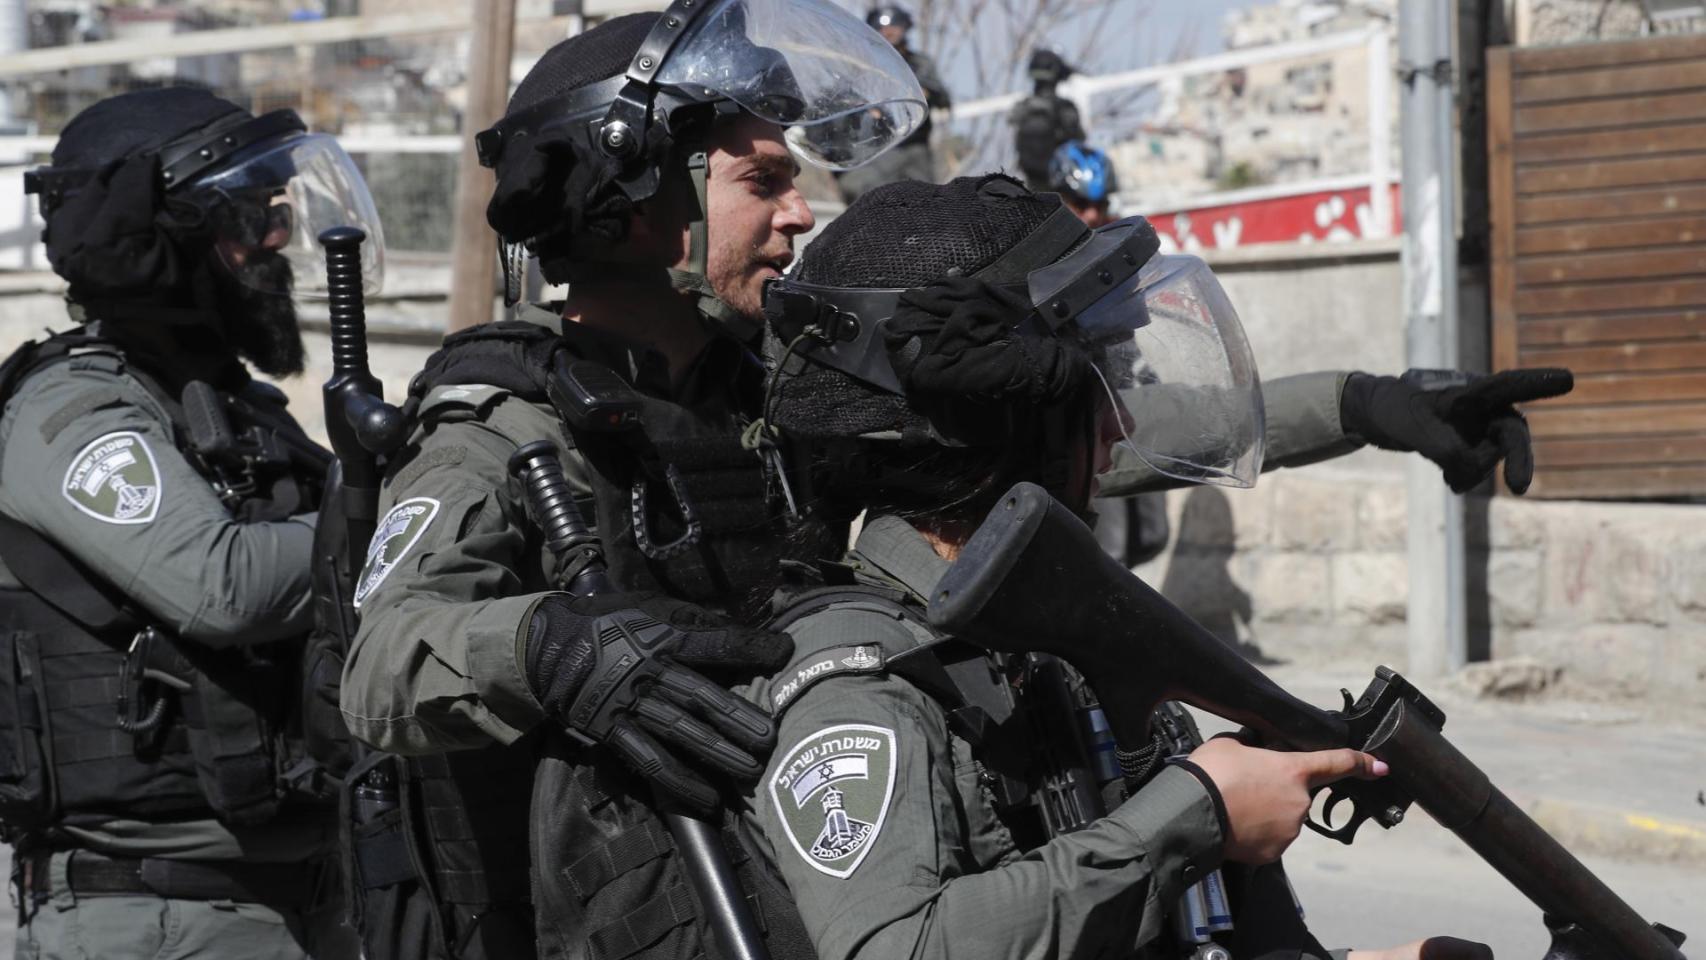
[450, 582]
[90, 464]
[1301, 415]
[938, 875]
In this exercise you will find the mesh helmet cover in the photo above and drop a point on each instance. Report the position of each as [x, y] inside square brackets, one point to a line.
[903, 234]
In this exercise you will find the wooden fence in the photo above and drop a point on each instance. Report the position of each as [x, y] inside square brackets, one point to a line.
[1598, 196]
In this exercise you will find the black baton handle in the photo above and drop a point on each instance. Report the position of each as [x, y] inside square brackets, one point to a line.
[579, 553]
[359, 423]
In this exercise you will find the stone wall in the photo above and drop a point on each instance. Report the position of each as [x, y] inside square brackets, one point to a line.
[1311, 565]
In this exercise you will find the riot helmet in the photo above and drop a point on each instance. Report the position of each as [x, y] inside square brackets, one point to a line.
[1048, 67]
[889, 15]
[891, 20]
[144, 184]
[1084, 177]
[605, 116]
[983, 330]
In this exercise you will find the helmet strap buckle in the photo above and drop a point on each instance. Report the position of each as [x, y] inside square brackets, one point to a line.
[513, 258]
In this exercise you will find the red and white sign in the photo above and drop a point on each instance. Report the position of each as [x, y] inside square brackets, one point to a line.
[1312, 216]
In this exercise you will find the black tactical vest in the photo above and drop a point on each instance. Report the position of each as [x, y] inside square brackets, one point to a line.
[606, 882]
[103, 714]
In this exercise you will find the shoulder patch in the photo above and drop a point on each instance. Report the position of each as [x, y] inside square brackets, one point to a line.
[115, 479]
[832, 793]
[401, 526]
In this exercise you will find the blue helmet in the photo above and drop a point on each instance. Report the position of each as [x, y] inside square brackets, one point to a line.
[1082, 171]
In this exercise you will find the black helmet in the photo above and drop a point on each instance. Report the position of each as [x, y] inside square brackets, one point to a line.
[142, 184]
[889, 15]
[1048, 66]
[604, 116]
[963, 331]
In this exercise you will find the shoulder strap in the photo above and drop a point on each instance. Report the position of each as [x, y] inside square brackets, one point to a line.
[920, 664]
[511, 354]
[60, 581]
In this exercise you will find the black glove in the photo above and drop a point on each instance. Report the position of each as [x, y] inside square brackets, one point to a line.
[548, 189]
[955, 338]
[615, 670]
[1465, 423]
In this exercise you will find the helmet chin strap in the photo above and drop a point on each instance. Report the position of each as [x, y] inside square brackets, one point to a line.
[718, 317]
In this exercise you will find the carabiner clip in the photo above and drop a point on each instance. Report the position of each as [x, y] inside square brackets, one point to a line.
[642, 531]
[131, 679]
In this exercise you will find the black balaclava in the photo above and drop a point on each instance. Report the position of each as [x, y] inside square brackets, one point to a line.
[140, 259]
[547, 191]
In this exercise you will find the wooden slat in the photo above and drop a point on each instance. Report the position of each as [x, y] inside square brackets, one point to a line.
[1621, 451]
[1501, 209]
[1601, 297]
[1644, 232]
[1638, 141]
[1599, 257]
[1619, 483]
[1546, 420]
[1609, 81]
[1600, 174]
[1622, 358]
[1607, 205]
[1633, 388]
[1578, 56]
[1579, 331]
[1616, 112]
[1613, 265]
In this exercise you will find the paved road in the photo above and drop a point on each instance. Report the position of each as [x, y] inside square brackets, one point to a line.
[1418, 880]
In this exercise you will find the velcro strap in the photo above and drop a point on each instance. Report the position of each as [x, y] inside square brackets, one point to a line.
[644, 925]
[84, 692]
[383, 859]
[624, 852]
[88, 747]
[85, 747]
[449, 823]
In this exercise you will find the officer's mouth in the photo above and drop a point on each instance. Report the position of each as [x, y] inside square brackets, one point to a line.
[774, 267]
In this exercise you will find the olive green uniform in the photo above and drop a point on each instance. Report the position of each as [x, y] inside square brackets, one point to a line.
[445, 600]
[922, 866]
[89, 462]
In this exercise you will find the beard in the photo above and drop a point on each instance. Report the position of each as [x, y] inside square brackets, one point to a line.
[261, 326]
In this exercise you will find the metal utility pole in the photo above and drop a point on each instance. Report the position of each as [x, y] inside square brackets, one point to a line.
[1438, 621]
[473, 252]
[14, 38]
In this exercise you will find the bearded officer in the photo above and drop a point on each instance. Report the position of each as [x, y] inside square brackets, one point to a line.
[157, 507]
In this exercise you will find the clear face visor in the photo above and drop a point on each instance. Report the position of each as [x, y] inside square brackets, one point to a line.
[269, 206]
[843, 92]
[1184, 385]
